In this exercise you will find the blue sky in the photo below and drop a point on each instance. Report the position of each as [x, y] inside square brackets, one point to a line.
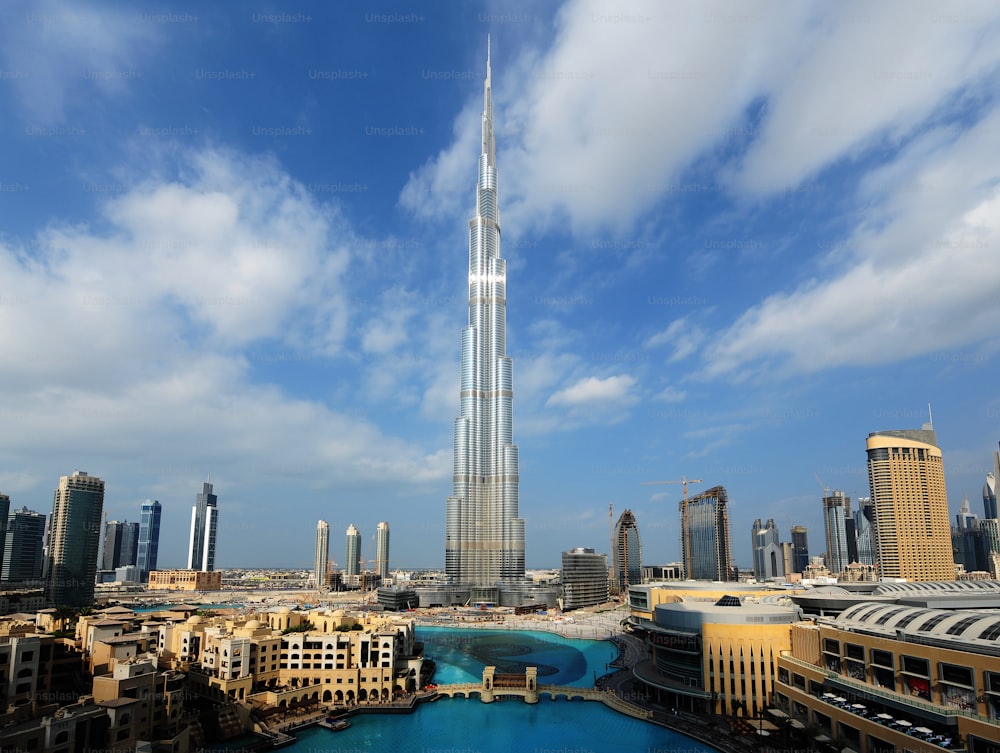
[740, 237]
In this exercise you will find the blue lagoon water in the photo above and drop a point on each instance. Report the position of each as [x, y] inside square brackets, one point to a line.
[468, 726]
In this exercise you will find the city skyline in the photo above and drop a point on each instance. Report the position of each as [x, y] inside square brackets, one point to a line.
[742, 240]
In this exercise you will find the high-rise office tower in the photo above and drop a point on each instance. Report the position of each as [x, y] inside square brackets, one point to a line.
[484, 536]
[991, 532]
[121, 544]
[73, 540]
[971, 547]
[130, 544]
[788, 556]
[836, 511]
[996, 468]
[800, 547]
[204, 523]
[864, 532]
[990, 497]
[910, 505]
[768, 560]
[705, 548]
[584, 578]
[149, 538]
[4, 514]
[22, 549]
[965, 518]
[382, 550]
[627, 553]
[322, 560]
[352, 558]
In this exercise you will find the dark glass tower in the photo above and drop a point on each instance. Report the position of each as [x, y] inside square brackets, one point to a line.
[4, 514]
[121, 544]
[484, 536]
[74, 538]
[22, 550]
[204, 521]
[149, 538]
[800, 548]
[705, 546]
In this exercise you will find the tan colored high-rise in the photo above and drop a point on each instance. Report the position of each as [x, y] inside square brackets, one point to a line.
[910, 506]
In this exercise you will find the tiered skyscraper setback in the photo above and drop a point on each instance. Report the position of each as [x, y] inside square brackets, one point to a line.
[484, 535]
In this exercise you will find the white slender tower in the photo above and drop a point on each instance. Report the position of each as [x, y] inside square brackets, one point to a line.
[322, 559]
[484, 537]
[382, 550]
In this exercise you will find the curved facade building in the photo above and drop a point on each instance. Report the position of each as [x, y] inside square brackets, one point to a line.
[484, 536]
[716, 658]
[910, 506]
[990, 497]
[584, 578]
[627, 554]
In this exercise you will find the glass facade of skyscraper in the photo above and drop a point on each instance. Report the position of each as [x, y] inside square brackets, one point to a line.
[484, 534]
[705, 547]
[149, 538]
[836, 509]
[77, 507]
[204, 524]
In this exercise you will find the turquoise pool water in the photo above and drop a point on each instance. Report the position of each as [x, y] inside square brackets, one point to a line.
[469, 726]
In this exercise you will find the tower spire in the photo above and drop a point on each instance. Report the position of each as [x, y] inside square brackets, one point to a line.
[489, 148]
[484, 531]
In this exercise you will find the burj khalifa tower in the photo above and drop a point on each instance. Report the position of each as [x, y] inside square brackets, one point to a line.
[484, 543]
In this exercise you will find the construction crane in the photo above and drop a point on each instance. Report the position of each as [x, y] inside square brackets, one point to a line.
[684, 480]
[684, 512]
[611, 538]
[826, 489]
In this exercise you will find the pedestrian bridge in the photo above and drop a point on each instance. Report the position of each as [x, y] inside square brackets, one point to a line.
[499, 685]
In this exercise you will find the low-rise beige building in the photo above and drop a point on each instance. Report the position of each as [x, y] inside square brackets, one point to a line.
[286, 657]
[185, 580]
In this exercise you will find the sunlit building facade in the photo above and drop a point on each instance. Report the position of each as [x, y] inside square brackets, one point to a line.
[910, 506]
[204, 526]
[352, 551]
[484, 533]
[382, 551]
[705, 547]
[322, 559]
[884, 677]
